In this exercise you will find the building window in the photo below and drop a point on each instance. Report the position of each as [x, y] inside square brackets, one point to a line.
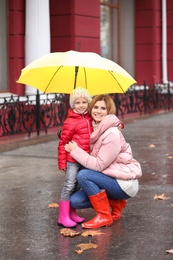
[117, 32]
[3, 47]
[110, 29]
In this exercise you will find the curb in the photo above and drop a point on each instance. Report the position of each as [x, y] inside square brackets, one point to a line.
[23, 141]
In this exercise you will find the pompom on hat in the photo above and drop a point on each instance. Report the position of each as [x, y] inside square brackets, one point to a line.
[77, 93]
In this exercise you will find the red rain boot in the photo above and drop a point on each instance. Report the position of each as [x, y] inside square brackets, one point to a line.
[101, 204]
[117, 208]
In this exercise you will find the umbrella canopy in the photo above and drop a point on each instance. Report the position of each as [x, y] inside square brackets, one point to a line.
[61, 72]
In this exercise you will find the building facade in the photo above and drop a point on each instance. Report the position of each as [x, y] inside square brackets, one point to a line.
[136, 34]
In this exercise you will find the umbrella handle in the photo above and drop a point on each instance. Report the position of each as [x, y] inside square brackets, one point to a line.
[76, 72]
[76, 68]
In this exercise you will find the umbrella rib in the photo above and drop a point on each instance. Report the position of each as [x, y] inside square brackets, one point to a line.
[116, 80]
[52, 78]
[85, 77]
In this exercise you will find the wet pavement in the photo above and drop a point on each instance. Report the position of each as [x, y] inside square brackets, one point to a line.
[29, 181]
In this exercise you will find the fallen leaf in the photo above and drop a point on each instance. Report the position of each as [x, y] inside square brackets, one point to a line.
[160, 197]
[170, 157]
[67, 232]
[79, 251]
[169, 251]
[152, 146]
[85, 247]
[91, 233]
[53, 205]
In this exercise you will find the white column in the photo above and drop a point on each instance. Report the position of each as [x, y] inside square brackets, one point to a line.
[37, 35]
[164, 43]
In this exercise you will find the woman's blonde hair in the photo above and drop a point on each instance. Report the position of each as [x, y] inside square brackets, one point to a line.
[110, 106]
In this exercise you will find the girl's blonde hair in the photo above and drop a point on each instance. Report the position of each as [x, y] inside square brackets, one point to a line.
[110, 106]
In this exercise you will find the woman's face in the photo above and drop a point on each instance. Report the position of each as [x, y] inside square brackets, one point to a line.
[99, 111]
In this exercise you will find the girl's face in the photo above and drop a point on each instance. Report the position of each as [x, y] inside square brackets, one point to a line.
[99, 111]
[81, 105]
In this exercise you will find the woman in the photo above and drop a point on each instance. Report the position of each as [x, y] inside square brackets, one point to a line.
[111, 174]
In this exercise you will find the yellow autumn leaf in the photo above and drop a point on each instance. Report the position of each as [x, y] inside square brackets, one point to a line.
[160, 197]
[79, 251]
[67, 232]
[85, 246]
[53, 205]
[170, 251]
[91, 233]
[152, 146]
[170, 157]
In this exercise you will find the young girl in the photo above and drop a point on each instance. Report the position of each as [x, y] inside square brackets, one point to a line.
[77, 127]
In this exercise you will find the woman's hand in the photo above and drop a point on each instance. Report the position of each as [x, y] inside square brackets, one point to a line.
[70, 146]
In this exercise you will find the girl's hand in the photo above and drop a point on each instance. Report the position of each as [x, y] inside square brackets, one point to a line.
[70, 146]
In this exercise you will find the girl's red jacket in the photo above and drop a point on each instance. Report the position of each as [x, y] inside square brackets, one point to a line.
[78, 128]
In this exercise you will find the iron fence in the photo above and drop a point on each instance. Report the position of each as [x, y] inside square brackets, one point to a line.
[144, 99]
[32, 113]
[35, 113]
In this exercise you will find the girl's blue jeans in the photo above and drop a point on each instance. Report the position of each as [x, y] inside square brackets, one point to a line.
[91, 183]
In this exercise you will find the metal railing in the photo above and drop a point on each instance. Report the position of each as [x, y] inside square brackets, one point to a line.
[144, 99]
[32, 113]
[35, 113]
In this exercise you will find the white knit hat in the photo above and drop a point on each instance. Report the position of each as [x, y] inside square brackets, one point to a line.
[77, 93]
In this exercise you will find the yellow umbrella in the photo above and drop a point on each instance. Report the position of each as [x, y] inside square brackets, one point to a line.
[61, 72]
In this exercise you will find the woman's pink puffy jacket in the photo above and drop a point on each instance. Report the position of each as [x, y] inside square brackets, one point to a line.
[110, 153]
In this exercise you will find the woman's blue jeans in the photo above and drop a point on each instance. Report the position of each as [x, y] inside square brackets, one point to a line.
[91, 183]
